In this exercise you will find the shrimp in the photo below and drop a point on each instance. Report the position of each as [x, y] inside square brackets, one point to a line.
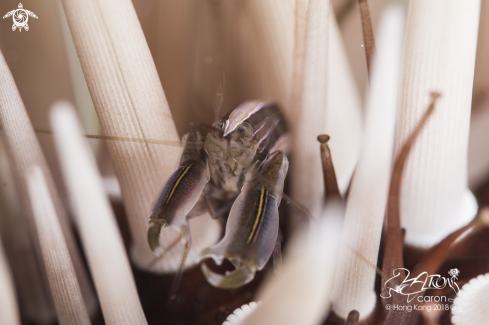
[239, 168]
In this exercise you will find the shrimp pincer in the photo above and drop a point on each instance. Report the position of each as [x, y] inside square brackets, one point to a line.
[180, 193]
[252, 226]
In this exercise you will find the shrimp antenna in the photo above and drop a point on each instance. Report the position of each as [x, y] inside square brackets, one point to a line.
[219, 98]
[364, 259]
[299, 207]
[114, 138]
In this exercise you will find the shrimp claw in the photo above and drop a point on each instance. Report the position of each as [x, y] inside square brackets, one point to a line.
[230, 280]
[252, 227]
[154, 236]
[180, 192]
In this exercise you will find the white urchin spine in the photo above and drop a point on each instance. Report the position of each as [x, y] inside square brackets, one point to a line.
[470, 306]
[239, 315]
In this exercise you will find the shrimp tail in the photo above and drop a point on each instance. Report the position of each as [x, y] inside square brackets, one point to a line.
[230, 280]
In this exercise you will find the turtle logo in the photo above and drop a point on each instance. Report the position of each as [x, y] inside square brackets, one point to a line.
[20, 17]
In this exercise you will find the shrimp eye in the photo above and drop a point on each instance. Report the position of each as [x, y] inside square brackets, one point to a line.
[218, 125]
[244, 130]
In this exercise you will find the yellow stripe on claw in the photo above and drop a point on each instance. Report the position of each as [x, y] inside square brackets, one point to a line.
[259, 214]
[177, 182]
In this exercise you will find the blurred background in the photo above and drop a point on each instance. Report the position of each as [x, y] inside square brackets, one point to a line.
[193, 44]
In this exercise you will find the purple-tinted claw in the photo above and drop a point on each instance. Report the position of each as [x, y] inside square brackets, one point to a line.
[230, 280]
[252, 227]
[181, 191]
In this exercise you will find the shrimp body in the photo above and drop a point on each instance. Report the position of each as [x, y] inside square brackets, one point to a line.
[238, 170]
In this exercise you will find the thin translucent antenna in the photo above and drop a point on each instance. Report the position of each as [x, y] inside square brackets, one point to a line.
[197, 62]
[128, 139]
[219, 98]
[363, 258]
[299, 207]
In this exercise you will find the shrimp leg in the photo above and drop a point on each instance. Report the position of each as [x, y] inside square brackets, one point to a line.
[188, 245]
